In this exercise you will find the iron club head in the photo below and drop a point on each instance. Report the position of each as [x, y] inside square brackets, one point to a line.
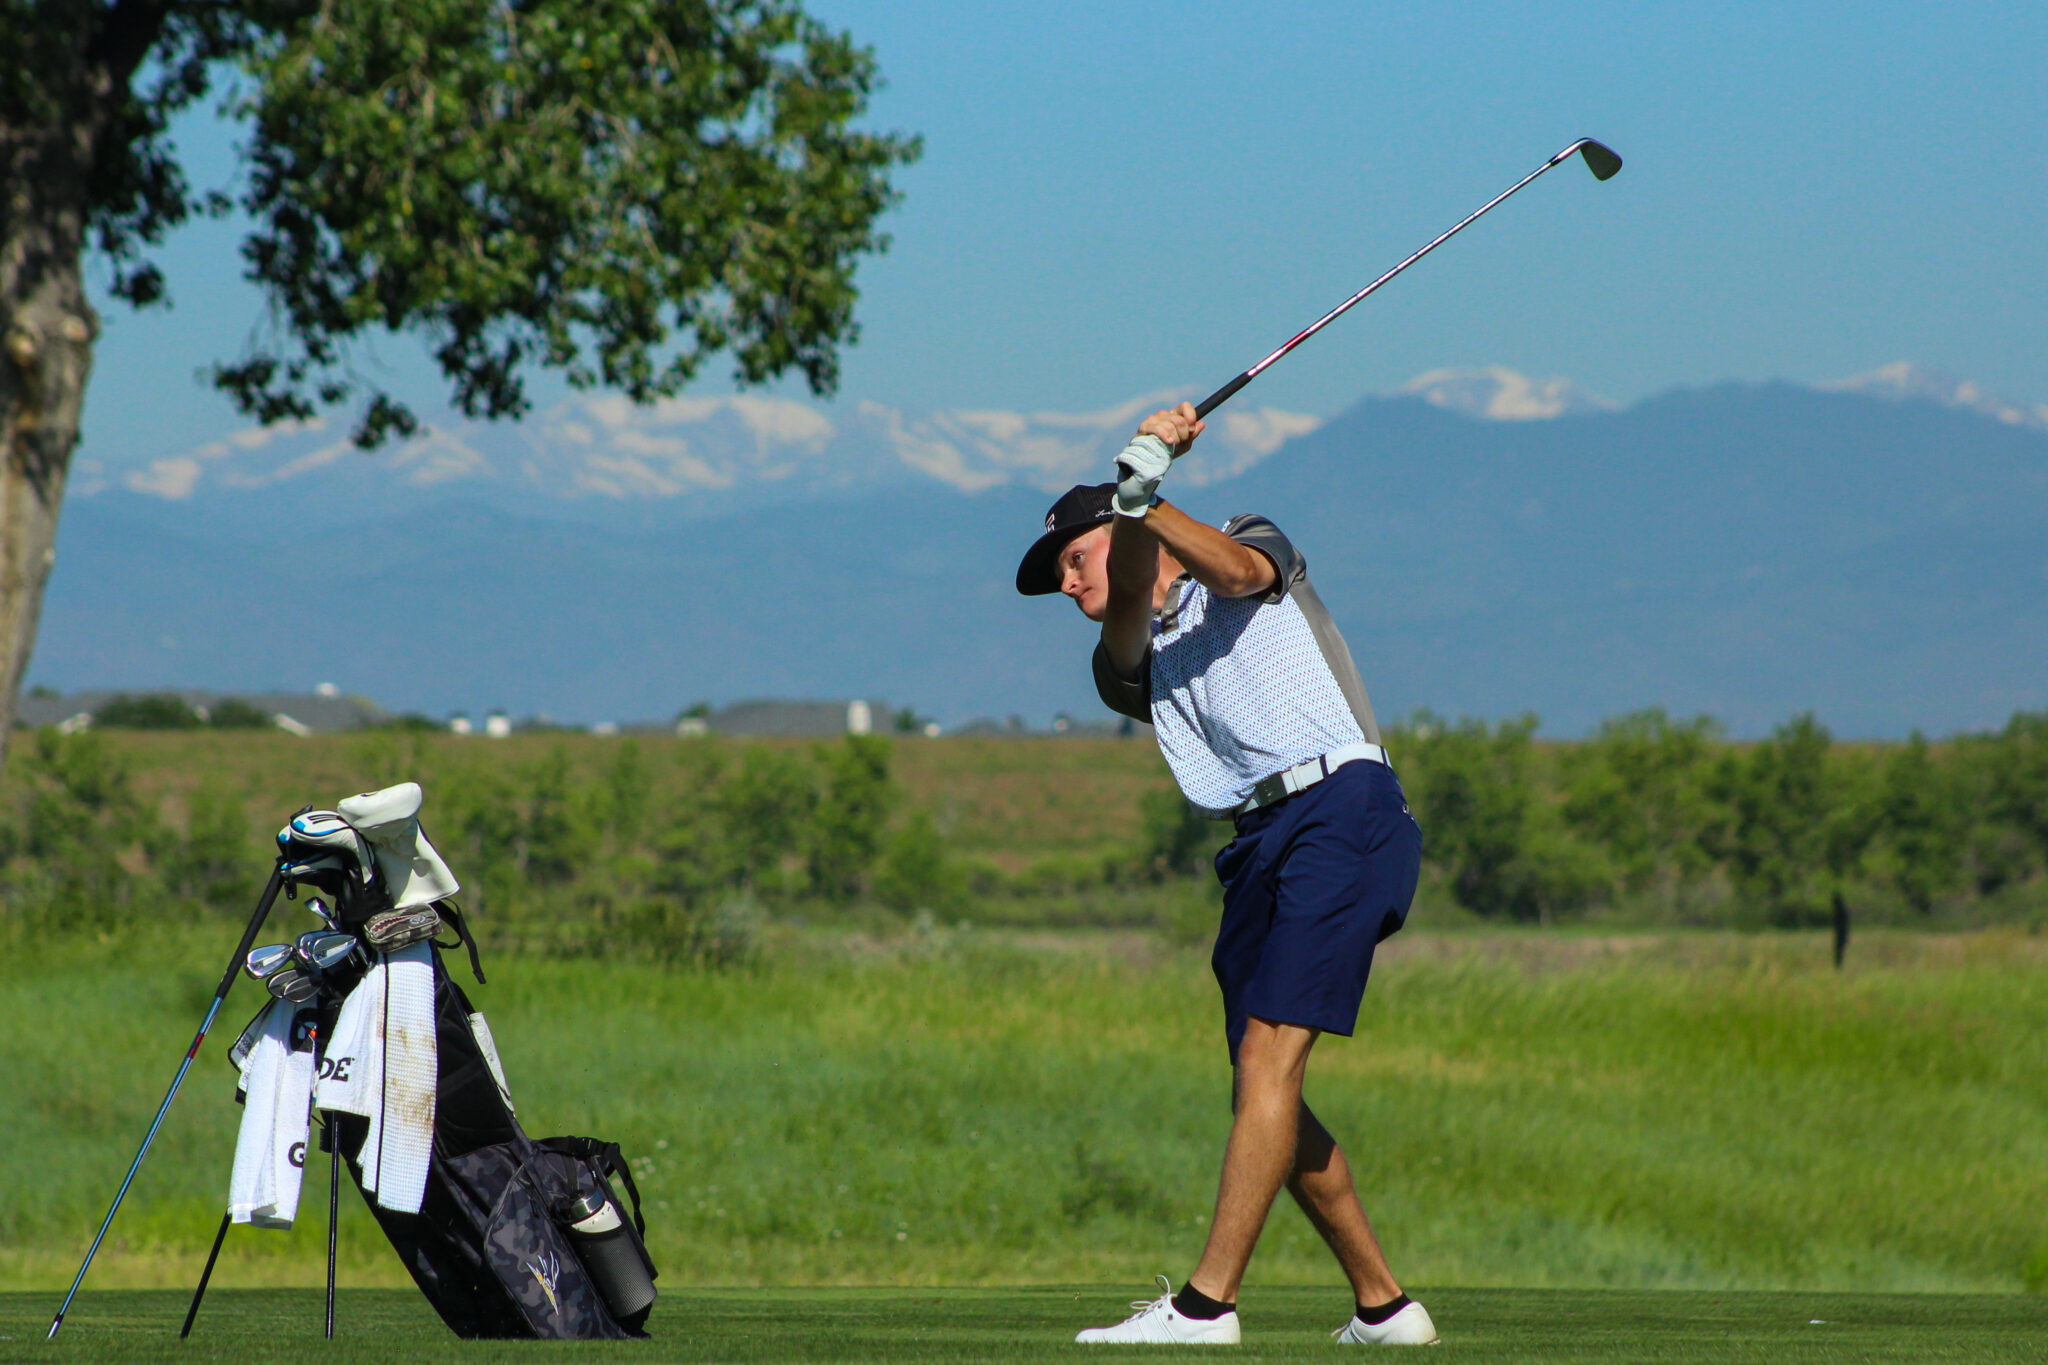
[263, 963]
[324, 950]
[293, 985]
[1600, 158]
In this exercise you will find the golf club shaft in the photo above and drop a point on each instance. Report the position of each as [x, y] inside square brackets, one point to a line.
[219, 998]
[199, 1292]
[1217, 399]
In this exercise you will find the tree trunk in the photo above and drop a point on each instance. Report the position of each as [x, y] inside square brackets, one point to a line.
[46, 333]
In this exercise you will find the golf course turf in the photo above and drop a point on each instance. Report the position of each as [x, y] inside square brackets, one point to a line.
[1549, 1325]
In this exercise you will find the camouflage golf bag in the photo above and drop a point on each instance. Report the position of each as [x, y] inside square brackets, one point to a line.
[514, 1237]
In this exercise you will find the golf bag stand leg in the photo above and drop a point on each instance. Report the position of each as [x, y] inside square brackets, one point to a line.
[199, 1292]
[333, 1212]
[220, 996]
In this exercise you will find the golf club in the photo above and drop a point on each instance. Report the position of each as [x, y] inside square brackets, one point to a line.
[265, 962]
[220, 996]
[323, 950]
[1599, 159]
[293, 985]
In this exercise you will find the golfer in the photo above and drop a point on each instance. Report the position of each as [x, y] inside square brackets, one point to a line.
[1216, 638]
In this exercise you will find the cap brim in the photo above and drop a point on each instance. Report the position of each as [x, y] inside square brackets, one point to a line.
[1038, 572]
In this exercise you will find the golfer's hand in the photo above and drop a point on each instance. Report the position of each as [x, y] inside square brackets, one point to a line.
[1161, 438]
[1178, 427]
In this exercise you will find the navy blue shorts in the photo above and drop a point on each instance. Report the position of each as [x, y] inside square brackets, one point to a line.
[1310, 887]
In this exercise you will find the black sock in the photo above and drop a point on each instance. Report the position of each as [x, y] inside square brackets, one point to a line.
[1373, 1317]
[1193, 1303]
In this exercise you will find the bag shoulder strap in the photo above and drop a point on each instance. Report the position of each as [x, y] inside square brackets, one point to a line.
[451, 913]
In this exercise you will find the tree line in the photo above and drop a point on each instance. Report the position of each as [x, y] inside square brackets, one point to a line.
[1650, 820]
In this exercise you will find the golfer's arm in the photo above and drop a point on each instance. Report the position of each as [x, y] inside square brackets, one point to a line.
[1217, 562]
[1133, 573]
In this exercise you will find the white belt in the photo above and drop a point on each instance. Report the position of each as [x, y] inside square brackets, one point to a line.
[1302, 776]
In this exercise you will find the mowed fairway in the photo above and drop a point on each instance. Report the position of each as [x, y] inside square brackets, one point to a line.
[1547, 1124]
[1552, 1326]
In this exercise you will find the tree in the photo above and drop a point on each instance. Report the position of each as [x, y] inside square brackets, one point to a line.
[618, 189]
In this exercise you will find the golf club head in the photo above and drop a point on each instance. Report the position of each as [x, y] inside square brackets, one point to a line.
[314, 867]
[324, 950]
[1600, 158]
[263, 963]
[293, 985]
[319, 907]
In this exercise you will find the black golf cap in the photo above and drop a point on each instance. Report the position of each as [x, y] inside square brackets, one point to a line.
[1080, 507]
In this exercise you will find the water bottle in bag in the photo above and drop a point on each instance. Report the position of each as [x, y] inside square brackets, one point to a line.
[612, 1255]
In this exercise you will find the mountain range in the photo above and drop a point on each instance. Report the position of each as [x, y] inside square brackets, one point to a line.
[1872, 550]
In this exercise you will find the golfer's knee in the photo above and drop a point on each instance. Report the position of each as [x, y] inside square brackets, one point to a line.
[1273, 1054]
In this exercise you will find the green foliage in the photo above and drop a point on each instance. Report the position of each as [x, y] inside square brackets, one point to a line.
[845, 834]
[1787, 827]
[1635, 789]
[1502, 844]
[1180, 841]
[215, 862]
[767, 805]
[679, 847]
[916, 873]
[77, 852]
[82, 849]
[232, 713]
[617, 189]
[150, 711]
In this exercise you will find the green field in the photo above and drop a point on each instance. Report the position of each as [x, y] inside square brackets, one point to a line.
[965, 1108]
[1556, 1327]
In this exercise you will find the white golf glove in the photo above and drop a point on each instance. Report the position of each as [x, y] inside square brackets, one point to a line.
[1139, 468]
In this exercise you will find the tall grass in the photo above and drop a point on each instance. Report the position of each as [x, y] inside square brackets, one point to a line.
[969, 1107]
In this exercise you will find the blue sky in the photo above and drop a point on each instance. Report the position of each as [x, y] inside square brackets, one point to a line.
[1117, 197]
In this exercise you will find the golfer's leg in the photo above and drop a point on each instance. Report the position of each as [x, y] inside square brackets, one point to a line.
[1321, 1183]
[1270, 1063]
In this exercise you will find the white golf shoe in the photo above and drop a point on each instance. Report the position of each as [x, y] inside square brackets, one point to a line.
[1409, 1327]
[1156, 1323]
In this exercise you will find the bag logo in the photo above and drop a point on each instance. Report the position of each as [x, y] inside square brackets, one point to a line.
[548, 1271]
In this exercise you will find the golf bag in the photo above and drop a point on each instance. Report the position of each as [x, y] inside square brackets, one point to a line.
[492, 1246]
[513, 1237]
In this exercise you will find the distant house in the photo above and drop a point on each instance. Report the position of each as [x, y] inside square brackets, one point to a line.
[325, 711]
[790, 719]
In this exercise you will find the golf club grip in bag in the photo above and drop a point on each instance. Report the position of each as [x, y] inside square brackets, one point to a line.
[490, 1247]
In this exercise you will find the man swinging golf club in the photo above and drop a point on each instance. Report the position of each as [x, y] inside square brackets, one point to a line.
[1216, 638]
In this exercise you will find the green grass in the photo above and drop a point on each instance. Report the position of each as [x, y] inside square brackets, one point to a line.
[961, 1108]
[1551, 1326]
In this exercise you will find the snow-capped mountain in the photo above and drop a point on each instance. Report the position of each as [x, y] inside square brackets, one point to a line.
[1497, 394]
[1904, 380]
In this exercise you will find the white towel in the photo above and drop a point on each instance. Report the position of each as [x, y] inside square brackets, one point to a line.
[383, 1064]
[270, 1151]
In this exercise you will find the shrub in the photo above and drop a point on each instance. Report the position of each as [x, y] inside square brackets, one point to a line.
[232, 713]
[152, 711]
[915, 872]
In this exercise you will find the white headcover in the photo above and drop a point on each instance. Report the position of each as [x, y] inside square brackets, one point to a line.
[390, 820]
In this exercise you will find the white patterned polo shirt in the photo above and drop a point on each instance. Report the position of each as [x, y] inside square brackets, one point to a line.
[1237, 689]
